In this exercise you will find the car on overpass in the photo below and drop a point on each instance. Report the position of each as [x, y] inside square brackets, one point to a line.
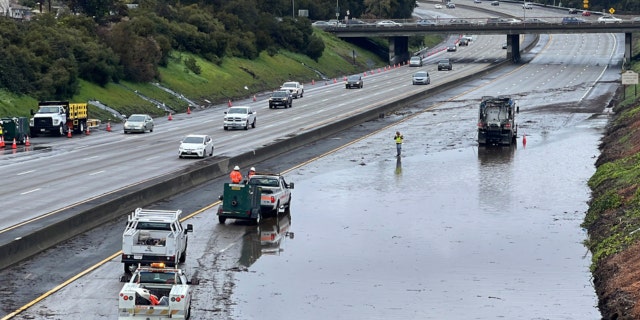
[388, 23]
[609, 19]
[437, 6]
[425, 22]
[573, 20]
[495, 3]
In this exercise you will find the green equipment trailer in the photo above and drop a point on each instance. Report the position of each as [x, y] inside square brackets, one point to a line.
[240, 201]
[15, 128]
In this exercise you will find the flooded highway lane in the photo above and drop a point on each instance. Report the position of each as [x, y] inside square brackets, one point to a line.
[441, 233]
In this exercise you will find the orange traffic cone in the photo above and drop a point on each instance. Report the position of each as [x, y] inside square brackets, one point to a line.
[1, 141]
[87, 132]
[27, 142]
[254, 98]
[229, 103]
[14, 145]
[170, 117]
[188, 110]
[109, 126]
[69, 133]
[524, 139]
[365, 73]
[313, 81]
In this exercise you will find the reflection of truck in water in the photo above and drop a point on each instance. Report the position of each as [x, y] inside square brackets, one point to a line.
[156, 292]
[496, 123]
[263, 194]
[58, 118]
[267, 238]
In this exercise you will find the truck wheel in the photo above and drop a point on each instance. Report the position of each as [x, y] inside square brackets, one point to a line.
[301, 93]
[222, 220]
[246, 125]
[80, 127]
[225, 128]
[253, 125]
[61, 130]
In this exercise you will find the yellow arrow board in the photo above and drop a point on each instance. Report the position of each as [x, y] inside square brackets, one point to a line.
[585, 4]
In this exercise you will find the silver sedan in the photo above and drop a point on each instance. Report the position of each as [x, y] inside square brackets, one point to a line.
[138, 123]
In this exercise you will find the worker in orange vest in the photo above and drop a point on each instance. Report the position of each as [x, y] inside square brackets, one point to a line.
[235, 175]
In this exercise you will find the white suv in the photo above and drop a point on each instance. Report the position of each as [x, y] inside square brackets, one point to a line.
[239, 117]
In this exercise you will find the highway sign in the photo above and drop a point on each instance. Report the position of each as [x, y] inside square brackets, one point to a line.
[629, 77]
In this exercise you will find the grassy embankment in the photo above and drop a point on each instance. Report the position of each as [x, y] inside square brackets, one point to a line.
[215, 83]
[613, 218]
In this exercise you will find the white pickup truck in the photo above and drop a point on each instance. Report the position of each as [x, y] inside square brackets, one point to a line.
[275, 192]
[154, 236]
[157, 293]
[295, 88]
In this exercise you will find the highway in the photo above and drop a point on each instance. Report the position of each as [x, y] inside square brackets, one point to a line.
[555, 75]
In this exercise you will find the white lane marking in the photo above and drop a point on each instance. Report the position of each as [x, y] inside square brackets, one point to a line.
[97, 172]
[30, 191]
[25, 172]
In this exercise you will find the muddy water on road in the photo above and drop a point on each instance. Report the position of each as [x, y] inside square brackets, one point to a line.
[442, 233]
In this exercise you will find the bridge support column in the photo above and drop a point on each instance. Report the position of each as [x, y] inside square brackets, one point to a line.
[513, 47]
[398, 49]
[628, 44]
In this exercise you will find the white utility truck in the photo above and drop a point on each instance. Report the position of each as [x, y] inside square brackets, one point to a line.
[157, 293]
[154, 236]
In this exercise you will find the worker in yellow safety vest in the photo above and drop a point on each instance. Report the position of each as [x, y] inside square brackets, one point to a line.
[398, 138]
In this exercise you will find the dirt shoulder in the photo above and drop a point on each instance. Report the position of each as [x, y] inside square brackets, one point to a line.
[613, 219]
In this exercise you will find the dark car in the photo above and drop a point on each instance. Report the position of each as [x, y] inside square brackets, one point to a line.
[445, 64]
[450, 5]
[463, 42]
[573, 11]
[452, 48]
[280, 98]
[573, 20]
[354, 81]
[495, 3]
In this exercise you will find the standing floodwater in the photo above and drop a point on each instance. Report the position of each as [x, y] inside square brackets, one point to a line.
[459, 233]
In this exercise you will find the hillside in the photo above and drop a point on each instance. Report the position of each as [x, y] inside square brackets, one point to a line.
[613, 219]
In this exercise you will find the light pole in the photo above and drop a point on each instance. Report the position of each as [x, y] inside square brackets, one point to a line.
[293, 9]
[337, 11]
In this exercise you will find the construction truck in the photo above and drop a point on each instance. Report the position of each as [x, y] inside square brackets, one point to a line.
[262, 194]
[154, 236]
[58, 118]
[156, 292]
[15, 128]
[496, 123]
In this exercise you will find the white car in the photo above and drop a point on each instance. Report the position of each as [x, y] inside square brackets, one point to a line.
[609, 19]
[437, 6]
[196, 145]
[527, 5]
[388, 23]
[239, 118]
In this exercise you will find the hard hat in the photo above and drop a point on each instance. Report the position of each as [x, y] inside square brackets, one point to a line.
[252, 169]
[236, 168]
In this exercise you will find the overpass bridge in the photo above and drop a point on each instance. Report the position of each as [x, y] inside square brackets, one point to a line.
[398, 35]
